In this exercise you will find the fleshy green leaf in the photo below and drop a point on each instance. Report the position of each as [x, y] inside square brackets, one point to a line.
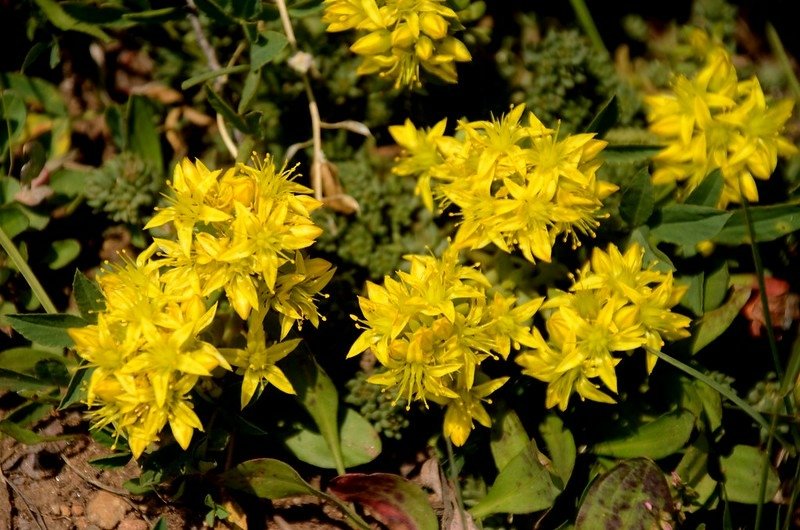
[714, 323]
[17, 382]
[693, 471]
[709, 191]
[12, 119]
[88, 296]
[45, 329]
[393, 500]
[631, 496]
[63, 21]
[143, 137]
[27, 436]
[359, 440]
[626, 154]
[689, 224]
[76, 390]
[742, 475]
[225, 110]
[212, 74]
[267, 478]
[661, 437]
[317, 394]
[523, 486]
[13, 221]
[769, 223]
[716, 287]
[62, 253]
[605, 119]
[508, 439]
[111, 462]
[560, 446]
[638, 199]
[267, 46]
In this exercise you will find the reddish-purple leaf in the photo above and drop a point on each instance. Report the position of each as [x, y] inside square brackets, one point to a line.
[391, 499]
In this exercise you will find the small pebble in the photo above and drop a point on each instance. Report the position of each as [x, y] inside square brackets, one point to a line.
[132, 524]
[105, 510]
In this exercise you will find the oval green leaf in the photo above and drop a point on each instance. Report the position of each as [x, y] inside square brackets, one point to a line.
[662, 437]
[359, 440]
[742, 475]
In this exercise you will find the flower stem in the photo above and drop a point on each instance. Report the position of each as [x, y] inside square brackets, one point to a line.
[27, 273]
[587, 23]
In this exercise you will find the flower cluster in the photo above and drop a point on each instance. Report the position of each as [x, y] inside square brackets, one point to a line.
[239, 232]
[714, 121]
[399, 36]
[432, 327]
[516, 185]
[615, 306]
[147, 354]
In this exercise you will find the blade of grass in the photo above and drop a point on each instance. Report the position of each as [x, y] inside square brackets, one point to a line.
[724, 391]
[27, 273]
[587, 23]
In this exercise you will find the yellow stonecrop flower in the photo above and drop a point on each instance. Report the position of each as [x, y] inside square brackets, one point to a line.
[432, 327]
[147, 354]
[715, 121]
[251, 245]
[615, 306]
[240, 231]
[399, 36]
[516, 185]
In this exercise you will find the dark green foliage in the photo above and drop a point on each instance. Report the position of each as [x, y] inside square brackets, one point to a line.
[391, 221]
[389, 419]
[125, 188]
[559, 77]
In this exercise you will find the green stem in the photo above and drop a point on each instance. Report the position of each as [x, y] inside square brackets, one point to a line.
[587, 23]
[451, 468]
[777, 48]
[353, 518]
[793, 499]
[722, 389]
[27, 273]
[762, 485]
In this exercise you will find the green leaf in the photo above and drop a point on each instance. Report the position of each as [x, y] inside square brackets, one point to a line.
[693, 471]
[653, 257]
[27, 436]
[46, 329]
[142, 134]
[32, 55]
[214, 11]
[13, 221]
[605, 119]
[12, 119]
[689, 224]
[509, 439]
[662, 437]
[24, 359]
[219, 105]
[712, 404]
[693, 299]
[37, 92]
[359, 440]
[638, 199]
[154, 16]
[631, 496]
[769, 223]
[68, 182]
[88, 297]
[714, 323]
[317, 394]
[76, 390]
[161, 524]
[267, 46]
[212, 74]
[523, 486]
[53, 370]
[267, 478]
[62, 253]
[251, 83]
[716, 287]
[63, 21]
[17, 382]
[560, 446]
[393, 500]
[629, 154]
[111, 462]
[742, 475]
[709, 191]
